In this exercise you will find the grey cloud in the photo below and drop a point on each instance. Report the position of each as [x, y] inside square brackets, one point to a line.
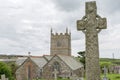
[67, 5]
[25, 25]
[112, 6]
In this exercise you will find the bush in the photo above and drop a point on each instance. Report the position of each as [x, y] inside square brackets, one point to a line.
[4, 69]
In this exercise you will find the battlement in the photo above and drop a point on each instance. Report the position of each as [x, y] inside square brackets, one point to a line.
[61, 34]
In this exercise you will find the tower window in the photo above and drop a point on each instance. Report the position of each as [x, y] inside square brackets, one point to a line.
[58, 44]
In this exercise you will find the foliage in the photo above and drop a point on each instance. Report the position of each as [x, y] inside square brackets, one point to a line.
[82, 57]
[114, 61]
[106, 64]
[4, 69]
[13, 67]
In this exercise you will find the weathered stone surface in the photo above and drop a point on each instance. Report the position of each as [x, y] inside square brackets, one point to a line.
[91, 24]
[60, 59]
[55, 72]
[60, 43]
[64, 71]
[27, 71]
[3, 77]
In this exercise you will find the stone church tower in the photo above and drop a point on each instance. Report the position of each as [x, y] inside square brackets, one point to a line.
[60, 43]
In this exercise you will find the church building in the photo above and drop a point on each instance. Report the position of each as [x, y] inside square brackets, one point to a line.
[59, 64]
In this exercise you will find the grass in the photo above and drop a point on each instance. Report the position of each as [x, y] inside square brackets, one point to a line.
[63, 79]
[113, 76]
[57, 79]
[114, 61]
[109, 76]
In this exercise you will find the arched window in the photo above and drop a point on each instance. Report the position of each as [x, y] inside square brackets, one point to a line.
[56, 66]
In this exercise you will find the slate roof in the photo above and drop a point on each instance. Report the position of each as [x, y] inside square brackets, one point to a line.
[19, 61]
[71, 62]
[48, 57]
[39, 61]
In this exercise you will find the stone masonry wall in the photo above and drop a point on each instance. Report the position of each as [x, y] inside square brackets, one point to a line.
[22, 72]
[48, 69]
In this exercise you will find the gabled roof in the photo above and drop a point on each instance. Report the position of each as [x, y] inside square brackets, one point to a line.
[42, 61]
[19, 61]
[39, 61]
[71, 62]
[48, 57]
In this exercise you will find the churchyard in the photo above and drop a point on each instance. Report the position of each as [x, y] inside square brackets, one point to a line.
[106, 69]
[105, 62]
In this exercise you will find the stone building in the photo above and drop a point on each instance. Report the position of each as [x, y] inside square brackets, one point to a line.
[61, 43]
[60, 59]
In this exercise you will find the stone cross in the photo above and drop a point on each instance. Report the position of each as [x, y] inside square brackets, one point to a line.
[55, 72]
[91, 24]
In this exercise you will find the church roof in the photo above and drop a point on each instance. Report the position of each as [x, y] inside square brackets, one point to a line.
[48, 57]
[19, 61]
[39, 61]
[71, 62]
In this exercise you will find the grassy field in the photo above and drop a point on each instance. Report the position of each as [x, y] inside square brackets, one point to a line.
[113, 76]
[57, 79]
[109, 76]
[114, 61]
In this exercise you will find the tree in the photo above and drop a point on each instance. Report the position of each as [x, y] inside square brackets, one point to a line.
[13, 67]
[81, 57]
[4, 69]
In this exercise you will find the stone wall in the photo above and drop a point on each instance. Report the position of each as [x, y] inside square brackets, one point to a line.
[61, 44]
[22, 72]
[65, 71]
[79, 72]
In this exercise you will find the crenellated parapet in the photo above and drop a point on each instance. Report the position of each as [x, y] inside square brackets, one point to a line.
[61, 43]
[64, 35]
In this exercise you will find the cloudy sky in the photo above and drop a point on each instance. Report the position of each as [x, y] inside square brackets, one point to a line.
[25, 25]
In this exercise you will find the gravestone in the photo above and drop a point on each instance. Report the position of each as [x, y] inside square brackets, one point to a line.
[105, 73]
[55, 72]
[3, 77]
[91, 24]
[119, 71]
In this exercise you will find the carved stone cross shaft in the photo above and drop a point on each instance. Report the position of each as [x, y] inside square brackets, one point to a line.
[91, 24]
[55, 72]
[105, 71]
